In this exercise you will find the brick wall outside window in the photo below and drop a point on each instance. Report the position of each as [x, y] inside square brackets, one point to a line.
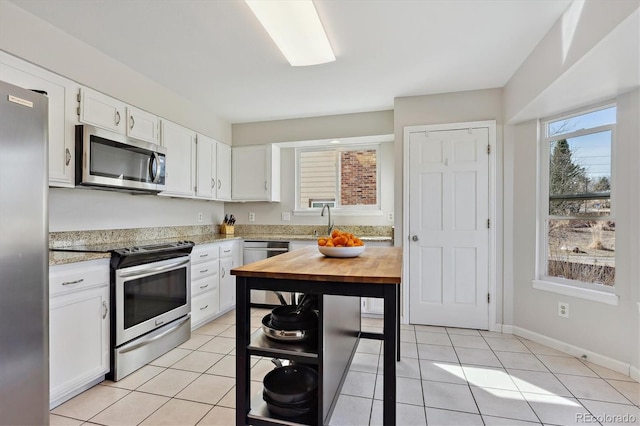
[358, 178]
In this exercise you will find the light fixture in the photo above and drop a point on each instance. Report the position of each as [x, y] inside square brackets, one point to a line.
[335, 141]
[296, 29]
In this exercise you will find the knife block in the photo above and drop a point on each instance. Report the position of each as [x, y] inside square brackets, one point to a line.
[226, 229]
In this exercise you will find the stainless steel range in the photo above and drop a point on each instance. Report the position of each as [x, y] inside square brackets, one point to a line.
[151, 296]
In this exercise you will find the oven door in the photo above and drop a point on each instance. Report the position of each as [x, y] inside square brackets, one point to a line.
[150, 295]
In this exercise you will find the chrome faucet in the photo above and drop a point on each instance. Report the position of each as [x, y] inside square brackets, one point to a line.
[329, 224]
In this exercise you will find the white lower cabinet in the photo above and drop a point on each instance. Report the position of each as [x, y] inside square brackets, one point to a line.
[213, 290]
[78, 327]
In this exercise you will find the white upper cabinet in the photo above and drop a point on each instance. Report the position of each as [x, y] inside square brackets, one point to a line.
[102, 111]
[109, 113]
[206, 167]
[62, 113]
[143, 125]
[223, 171]
[181, 159]
[255, 173]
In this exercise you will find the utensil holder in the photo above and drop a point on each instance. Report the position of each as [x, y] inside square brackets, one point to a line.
[226, 229]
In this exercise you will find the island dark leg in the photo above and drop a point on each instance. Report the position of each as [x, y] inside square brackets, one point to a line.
[398, 321]
[389, 362]
[243, 389]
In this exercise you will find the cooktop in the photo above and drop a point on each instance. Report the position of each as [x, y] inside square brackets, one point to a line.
[128, 247]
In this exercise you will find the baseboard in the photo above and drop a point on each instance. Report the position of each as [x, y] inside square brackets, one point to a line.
[507, 329]
[635, 373]
[596, 358]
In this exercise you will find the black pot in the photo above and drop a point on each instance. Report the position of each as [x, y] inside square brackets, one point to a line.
[292, 317]
[292, 411]
[293, 384]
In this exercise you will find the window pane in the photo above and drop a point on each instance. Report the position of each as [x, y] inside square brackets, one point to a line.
[358, 176]
[582, 250]
[584, 121]
[317, 178]
[580, 175]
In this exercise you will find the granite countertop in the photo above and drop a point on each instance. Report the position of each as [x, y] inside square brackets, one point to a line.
[64, 257]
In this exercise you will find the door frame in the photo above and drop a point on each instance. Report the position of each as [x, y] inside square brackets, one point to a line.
[493, 254]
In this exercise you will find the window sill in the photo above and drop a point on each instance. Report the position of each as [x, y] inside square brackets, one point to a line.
[581, 293]
[339, 212]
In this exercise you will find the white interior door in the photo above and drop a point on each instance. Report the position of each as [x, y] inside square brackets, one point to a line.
[448, 228]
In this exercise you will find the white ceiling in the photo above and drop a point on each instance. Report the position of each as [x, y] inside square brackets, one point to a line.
[216, 54]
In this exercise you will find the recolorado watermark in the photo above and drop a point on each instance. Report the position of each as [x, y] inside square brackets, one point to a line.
[606, 418]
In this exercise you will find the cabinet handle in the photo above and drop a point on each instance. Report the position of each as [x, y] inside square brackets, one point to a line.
[213, 183]
[117, 118]
[204, 286]
[133, 122]
[223, 273]
[73, 282]
[204, 255]
[206, 270]
[67, 157]
[265, 185]
[106, 309]
[226, 251]
[219, 184]
[203, 308]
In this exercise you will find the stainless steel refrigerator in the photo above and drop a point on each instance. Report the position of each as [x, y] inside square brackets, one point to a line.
[24, 264]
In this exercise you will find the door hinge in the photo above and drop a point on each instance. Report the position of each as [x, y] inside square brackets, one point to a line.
[78, 111]
[78, 97]
[488, 298]
[488, 223]
[488, 149]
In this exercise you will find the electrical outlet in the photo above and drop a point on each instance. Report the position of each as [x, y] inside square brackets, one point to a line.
[286, 216]
[199, 216]
[563, 309]
[390, 217]
[252, 217]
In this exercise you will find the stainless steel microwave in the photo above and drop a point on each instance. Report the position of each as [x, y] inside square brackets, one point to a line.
[113, 161]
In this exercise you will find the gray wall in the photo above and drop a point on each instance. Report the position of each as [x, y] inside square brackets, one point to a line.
[608, 330]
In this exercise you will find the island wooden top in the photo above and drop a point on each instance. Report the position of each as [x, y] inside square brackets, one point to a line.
[377, 265]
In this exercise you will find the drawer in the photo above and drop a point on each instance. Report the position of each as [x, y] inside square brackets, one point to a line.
[201, 270]
[226, 250]
[204, 253]
[204, 305]
[78, 276]
[204, 284]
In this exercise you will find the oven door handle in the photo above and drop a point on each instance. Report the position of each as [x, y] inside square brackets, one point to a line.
[144, 272]
[154, 338]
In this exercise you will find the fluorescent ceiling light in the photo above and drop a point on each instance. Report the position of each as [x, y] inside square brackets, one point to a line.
[296, 29]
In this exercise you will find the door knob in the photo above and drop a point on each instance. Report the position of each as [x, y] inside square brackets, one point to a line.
[415, 238]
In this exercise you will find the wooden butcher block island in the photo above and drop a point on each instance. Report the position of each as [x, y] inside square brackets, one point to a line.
[339, 283]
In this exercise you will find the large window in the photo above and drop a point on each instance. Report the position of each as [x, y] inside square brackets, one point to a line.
[577, 224]
[345, 178]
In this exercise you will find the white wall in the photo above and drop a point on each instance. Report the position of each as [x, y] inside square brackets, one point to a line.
[270, 213]
[30, 38]
[315, 128]
[91, 209]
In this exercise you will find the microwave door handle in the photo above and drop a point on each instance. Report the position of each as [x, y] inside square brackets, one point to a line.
[153, 167]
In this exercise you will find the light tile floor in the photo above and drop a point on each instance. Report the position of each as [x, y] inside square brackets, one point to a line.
[447, 376]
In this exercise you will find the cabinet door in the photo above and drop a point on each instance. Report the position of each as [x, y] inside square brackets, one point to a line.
[102, 111]
[227, 281]
[143, 125]
[249, 173]
[62, 113]
[181, 159]
[223, 171]
[78, 340]
[205, 170]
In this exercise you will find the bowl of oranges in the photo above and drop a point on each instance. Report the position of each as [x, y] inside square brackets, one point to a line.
[340, 244]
